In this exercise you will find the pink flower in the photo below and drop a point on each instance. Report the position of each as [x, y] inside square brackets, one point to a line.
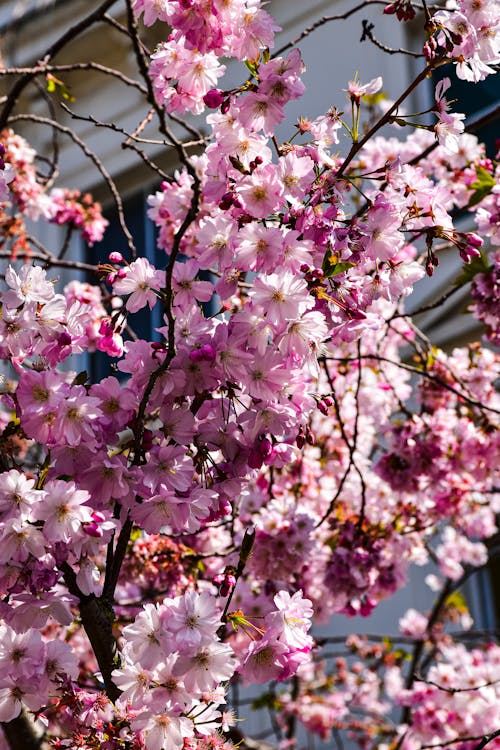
[63, 511]
[264, 661]
[448, 130]
[163, 730]
[77, 417]
[261, 192]
[30, 285]
[187, 288]
[141, 282]
[413, 624]
[356, 89]
[291, 621]
[17, 494]
[194, 620]
[146, 637]
[208, 666]
[281, 297]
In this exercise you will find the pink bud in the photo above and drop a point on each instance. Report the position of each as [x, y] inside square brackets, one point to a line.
[213, 98]
[196, 355]
[64, 339]
[92, 530]
[115, 257]
[255, 459]
[265, 447]
[475, 240]
[106, 327]
[147, 440]
[208, 352]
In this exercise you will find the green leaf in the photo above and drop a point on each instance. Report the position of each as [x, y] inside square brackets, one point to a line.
[400, 654]
[252, 67]
[469, 270]
[331, 267]
[482, 186]
[457, 600]
[373, 99]
[267, 700]
[55, 85]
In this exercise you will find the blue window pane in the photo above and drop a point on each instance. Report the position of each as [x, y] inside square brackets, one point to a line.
[474, 99]
[144, 233]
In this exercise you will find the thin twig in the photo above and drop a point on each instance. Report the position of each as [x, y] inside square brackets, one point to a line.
[58, 45]
[324, 20]
[97, 162]
[368, 34]
[423, 373]
[42, 69]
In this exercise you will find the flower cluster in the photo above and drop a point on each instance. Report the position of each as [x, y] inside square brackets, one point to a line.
[287, 447]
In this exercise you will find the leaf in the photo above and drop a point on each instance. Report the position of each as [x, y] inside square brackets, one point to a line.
[400, 654]
[266, 700]
[331, 267]
[252, 67]
[373, 99]
[482, 186]
[81, 378]
[56, 85]
[457, 601]
[469, 270]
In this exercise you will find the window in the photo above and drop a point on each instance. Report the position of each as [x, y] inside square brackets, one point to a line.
[476, 101]
[144, 233]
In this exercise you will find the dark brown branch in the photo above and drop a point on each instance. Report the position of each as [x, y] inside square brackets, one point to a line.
[368, 34]
[115, 559]
[452, 690]
[97, 619]
[127, 144]
[424, 374]
[97, 162]
[189, 128]
[432, 305]
[351, 446]
[23, 734]
[50, 260]
[43, 69]
[53, 162]
[58, 45]
[483, 741]
[386, 118]
[324, 20]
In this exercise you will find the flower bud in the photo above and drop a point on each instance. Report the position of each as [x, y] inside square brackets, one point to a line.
[213, 98]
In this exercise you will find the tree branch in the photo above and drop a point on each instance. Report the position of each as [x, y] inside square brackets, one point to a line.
[58, 45]
[22, 733]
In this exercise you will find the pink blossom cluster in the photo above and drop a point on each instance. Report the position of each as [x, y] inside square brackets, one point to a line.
[37, 322]
[486, 298]
[469, 36]
[458, 699]
[173, 663]
[31, 669]
[31, 197]
[294, 410]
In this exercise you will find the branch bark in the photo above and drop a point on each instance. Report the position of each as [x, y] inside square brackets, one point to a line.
[22, 733]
